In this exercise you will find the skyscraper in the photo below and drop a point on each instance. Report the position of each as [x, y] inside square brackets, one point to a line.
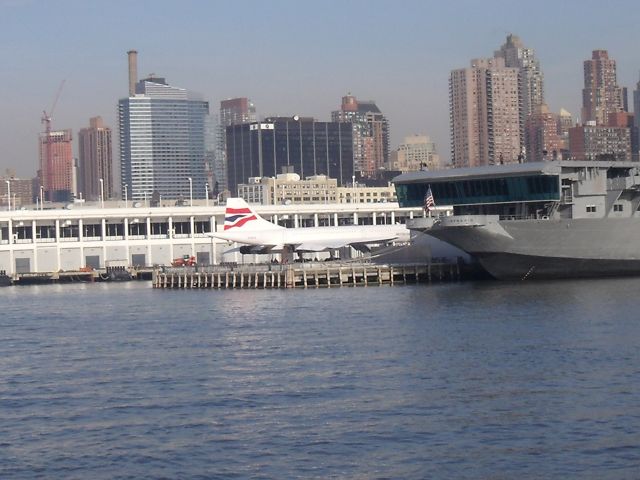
[292, 145]
[233, 111]
[601, 94]
[162, 141]
[484, 114]
[56, 165]
[531, 79]
[95, 160]
[370, 133]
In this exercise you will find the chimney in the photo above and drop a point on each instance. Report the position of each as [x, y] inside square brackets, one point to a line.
[133, 71]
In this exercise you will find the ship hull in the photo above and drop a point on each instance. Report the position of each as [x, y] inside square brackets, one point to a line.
[508, 266]
[547, 249]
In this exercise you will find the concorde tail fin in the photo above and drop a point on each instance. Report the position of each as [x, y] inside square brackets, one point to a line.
[239, 215]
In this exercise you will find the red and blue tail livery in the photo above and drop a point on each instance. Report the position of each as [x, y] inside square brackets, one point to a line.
[237, 217]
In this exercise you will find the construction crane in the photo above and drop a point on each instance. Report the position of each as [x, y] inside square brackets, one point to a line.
[47, 168]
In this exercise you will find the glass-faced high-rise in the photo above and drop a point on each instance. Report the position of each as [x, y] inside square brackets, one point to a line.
[296, 145]
[162, 142]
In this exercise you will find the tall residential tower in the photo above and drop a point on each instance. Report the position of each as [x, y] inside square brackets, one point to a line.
[95, 153]
[530, 77]
[601, 94]
[484, 114]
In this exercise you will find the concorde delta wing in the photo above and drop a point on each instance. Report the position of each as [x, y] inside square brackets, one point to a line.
[320, 247]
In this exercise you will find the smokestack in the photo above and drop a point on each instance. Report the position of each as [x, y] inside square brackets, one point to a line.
[133, 71]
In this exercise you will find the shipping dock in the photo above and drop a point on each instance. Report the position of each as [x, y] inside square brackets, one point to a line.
[305, 275]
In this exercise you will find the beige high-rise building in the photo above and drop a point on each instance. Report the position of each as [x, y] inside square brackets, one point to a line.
[484, 114]
[417, 152]
[601, 94]
[531, 82]
[95, 160]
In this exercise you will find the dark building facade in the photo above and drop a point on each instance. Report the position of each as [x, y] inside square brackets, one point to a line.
[290, 144]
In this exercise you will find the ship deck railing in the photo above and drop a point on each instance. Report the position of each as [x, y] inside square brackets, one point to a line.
[523, 217]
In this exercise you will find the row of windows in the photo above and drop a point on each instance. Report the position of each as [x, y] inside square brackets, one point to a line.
[111, 229]
[492, 190]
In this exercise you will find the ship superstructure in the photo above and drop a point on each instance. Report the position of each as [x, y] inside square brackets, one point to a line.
[536, 220]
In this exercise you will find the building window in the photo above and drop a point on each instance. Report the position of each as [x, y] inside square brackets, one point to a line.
[617, 207]
[591, 209]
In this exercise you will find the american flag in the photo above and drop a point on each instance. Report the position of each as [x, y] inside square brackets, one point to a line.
[429, 203]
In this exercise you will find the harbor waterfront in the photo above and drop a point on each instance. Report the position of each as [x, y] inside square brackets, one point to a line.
[460, 380]
[124, 234]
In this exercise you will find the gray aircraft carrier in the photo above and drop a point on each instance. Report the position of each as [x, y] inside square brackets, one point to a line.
[537, 220]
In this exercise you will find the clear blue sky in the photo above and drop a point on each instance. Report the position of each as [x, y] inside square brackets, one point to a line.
[289, 57]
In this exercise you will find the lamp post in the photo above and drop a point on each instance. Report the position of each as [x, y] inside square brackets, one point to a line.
[190, 191]
[126, 195]
[206, 193]
[101, 192]
[8, 194]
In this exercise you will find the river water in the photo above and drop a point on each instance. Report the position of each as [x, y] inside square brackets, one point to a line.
[470, 380]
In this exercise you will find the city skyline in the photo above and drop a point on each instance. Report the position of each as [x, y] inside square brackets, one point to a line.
[287, 60]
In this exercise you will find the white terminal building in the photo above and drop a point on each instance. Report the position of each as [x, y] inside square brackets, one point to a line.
[68, 239]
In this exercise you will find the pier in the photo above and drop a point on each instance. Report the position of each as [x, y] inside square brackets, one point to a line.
[303, 275]
[115, 274]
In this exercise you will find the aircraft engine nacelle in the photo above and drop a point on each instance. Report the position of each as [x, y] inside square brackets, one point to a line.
[254, 250]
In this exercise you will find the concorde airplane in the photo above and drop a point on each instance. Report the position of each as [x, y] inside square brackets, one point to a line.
[243, 225]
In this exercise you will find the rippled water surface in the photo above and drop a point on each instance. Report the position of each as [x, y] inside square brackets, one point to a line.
[474, 380]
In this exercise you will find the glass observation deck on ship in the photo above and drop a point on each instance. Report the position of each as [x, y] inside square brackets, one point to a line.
[457, 192]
